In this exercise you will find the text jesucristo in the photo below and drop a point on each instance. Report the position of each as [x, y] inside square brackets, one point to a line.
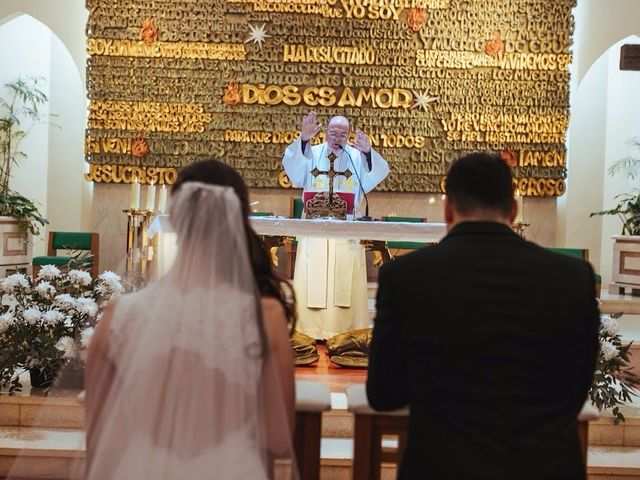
[131, 174]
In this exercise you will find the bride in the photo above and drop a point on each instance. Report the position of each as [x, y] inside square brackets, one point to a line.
[192, 376]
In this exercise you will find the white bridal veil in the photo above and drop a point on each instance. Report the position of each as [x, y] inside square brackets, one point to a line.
[180, 393]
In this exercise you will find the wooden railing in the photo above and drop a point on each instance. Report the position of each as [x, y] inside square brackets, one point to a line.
[372, 426]
[312, 399]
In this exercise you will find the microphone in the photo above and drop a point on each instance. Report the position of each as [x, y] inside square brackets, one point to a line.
[366, 217]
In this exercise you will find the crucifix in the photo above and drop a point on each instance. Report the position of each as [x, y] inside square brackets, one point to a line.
[331, 173]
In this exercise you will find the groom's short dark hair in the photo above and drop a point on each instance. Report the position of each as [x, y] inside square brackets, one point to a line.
[480, 181]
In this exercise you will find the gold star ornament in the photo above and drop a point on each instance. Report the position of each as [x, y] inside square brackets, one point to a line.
[257, 35]
[422, 99]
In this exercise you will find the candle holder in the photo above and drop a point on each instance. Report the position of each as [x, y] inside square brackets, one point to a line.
[519, 227]
[139, 248]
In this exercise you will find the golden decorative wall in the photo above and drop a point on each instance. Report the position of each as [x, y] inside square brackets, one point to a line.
[174, 81]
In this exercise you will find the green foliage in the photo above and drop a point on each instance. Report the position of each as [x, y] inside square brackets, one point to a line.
[614, 381]
[80, 260]
[18, 115]
[24, 210]
[628, 206]
[628, 210]
[629, 166]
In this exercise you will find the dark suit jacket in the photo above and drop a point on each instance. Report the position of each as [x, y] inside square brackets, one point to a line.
[492, 341]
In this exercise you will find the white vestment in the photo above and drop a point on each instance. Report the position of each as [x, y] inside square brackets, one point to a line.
[330, 277]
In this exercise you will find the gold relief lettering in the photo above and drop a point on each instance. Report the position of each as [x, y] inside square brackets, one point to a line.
[91, 175]
[129, 174]
[356, 58]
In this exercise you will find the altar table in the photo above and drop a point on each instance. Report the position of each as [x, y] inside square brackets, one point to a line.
[296, 227]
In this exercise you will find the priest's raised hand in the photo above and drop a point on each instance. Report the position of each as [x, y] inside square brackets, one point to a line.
[310, 127]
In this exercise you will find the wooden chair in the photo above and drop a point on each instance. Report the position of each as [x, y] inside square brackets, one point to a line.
[312, 398]
[76, 241]
[271, 242]
[407, 246]
[296, 208]
[380, 251]
[372, 426]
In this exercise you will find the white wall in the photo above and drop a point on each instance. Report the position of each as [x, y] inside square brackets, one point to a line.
[600, 24]
[66, 18]
[29, 55]
[623, 124]
[604, 117]
[602, 106]
[585, 164]
[69, 195]
[52, 173]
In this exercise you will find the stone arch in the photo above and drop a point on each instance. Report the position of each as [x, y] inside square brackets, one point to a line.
[65, 18]
[53, 173]
[599, 25]
[602, 122]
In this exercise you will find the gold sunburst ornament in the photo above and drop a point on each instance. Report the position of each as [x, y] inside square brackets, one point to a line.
[422, 100]
[257, 35]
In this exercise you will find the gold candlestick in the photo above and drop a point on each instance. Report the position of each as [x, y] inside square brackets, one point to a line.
[519, 227]
[138, 245]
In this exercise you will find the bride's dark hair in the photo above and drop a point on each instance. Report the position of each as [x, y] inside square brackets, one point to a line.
[269, 283]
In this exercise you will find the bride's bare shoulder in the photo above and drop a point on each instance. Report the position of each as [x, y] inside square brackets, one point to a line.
[274, 320]
[272, 308]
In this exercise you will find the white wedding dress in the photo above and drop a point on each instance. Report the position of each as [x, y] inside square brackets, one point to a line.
[186, 357]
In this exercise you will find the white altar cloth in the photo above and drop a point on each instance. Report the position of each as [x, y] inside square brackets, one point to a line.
[324, 228]
[330, 228]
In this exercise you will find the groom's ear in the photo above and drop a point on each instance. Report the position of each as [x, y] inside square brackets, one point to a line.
[449, 213]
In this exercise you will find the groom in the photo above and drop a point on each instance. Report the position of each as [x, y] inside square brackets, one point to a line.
[491, 340]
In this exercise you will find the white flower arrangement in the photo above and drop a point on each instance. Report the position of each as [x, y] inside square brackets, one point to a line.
[613, 382]
[48, 321]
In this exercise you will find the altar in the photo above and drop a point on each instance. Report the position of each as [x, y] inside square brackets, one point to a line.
[296, 227]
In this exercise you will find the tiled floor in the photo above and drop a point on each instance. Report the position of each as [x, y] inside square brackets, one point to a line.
[337, 378]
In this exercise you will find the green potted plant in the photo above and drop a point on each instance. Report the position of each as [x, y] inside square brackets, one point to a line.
[20, 111]
[626, 245]
[628, 207]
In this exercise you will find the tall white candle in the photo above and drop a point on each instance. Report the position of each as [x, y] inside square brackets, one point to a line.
[151, 198]
[519, 204]
[162, 201]
[135, 195]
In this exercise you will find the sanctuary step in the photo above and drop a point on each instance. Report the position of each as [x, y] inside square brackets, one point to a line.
[41, 437]
[45, 453]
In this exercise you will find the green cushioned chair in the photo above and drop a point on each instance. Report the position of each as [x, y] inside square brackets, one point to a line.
[76, 241]
[581, 254]
[405, 245]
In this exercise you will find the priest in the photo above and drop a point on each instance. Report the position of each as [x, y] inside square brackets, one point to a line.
[330, 276]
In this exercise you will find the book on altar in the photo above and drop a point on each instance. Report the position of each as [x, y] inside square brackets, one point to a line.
[311, 201]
